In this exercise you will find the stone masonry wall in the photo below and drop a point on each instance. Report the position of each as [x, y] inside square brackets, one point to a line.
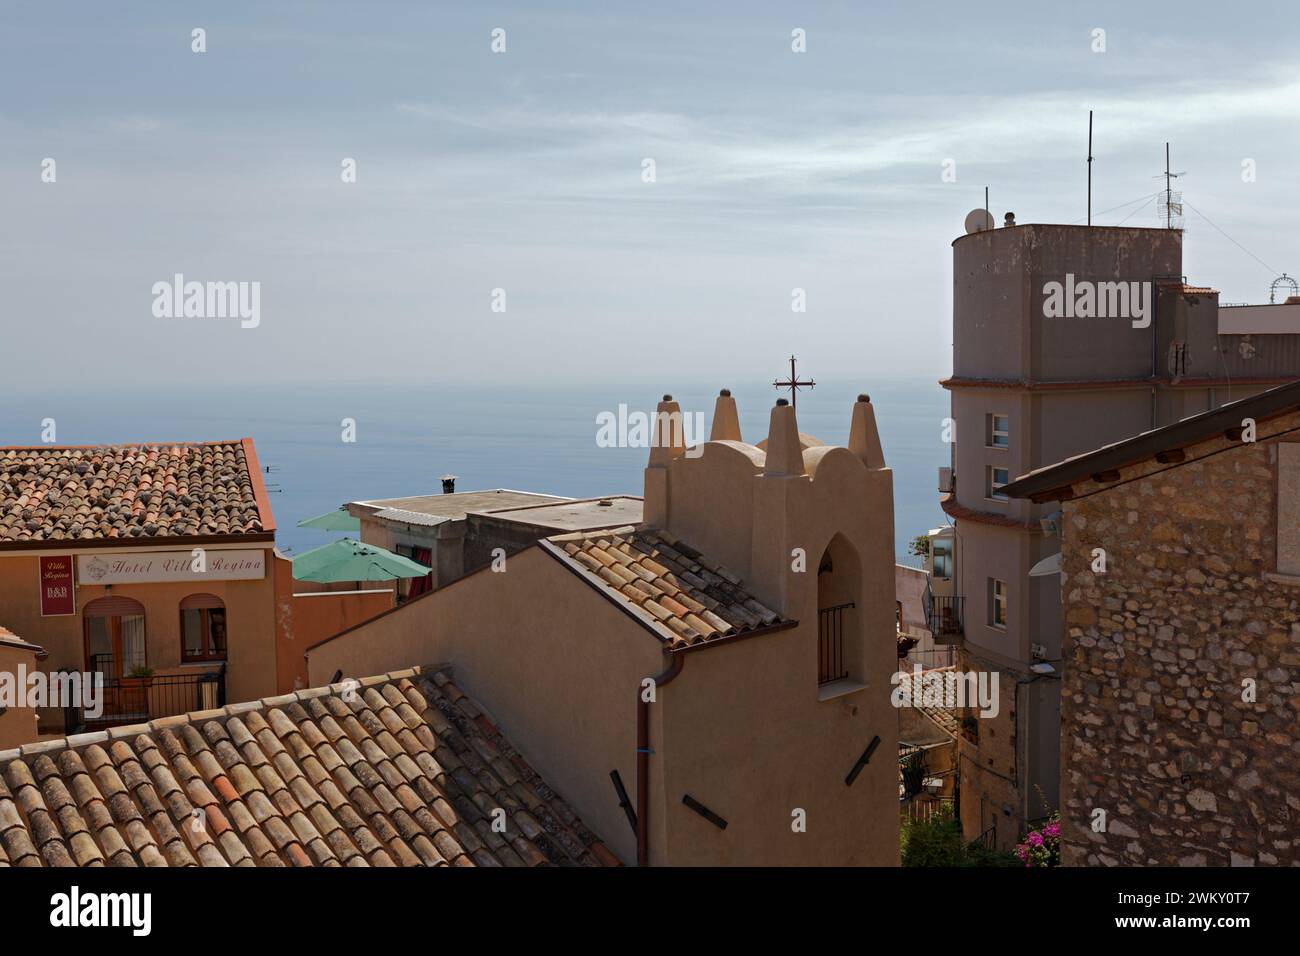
[989, 770]
[1154, 728]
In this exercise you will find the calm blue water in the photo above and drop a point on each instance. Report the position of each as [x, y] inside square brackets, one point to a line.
[530, 438]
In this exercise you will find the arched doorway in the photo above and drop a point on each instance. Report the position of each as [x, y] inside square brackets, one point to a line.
[840, 650]
[114, 636]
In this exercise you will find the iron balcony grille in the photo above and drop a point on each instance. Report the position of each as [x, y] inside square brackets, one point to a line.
[943, 617]
[134, 700]
[831, 665]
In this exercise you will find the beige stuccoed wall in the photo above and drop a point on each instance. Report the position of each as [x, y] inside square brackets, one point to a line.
[742, 728]
[745, 735]
[17, 724]
[250, 624]
[772, 745]
[555, 664]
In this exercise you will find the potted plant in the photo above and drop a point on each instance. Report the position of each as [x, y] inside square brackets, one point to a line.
[135, 690]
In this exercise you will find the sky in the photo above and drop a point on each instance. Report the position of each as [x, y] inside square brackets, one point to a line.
[525, 171]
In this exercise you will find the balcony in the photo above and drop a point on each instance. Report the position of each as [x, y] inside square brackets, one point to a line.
[136, 700]
[943, 617]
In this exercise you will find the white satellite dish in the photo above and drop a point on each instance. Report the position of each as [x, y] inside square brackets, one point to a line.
[978, 220]
[1048, 566]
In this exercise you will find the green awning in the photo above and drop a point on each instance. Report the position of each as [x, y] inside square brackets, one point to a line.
[332, 521]
[348, 560]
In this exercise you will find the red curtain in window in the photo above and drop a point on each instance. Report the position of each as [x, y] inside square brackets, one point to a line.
[420, 585]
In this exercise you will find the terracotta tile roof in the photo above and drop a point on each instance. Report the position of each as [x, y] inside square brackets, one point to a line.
[409, 773]
[944, 717]
[128, 491]
[673, 589]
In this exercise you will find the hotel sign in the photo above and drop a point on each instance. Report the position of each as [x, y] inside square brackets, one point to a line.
[198, 564]
[58, 598]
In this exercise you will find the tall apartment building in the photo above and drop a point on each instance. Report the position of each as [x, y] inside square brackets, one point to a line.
[1052, 357]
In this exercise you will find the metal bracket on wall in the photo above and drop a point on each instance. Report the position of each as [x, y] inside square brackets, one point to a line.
[704, 811]
[862, 761]
[623, 801]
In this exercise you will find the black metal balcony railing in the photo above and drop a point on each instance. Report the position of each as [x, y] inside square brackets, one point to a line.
[943, 617]
[134, 700]
[831, 665]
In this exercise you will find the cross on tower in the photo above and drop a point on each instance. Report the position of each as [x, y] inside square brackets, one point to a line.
[793, 384]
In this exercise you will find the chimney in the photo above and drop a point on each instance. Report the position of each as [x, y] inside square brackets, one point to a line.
[726, 420]
[448, 484]
[669, 433]
[784, 453]
[864, 440]
[669, 442]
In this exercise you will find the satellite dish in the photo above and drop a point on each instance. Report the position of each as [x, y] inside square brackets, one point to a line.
[978, 220]
[1048, 566]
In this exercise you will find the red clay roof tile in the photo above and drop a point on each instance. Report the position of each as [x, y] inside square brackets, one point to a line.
[683, 598]
[56, 493]
[321, 781]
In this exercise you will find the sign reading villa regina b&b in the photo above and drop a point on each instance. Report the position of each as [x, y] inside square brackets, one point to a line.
[164, 566]
[58, 597]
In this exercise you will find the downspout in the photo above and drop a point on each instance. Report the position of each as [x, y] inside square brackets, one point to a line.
[643, 758]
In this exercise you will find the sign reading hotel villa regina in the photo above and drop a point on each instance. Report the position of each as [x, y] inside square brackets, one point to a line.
[163, 566]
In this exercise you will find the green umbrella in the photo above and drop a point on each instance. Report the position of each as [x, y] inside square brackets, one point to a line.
[332, 521]
[348, 560]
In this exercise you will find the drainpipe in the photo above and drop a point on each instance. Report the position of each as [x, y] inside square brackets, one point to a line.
[643, 758]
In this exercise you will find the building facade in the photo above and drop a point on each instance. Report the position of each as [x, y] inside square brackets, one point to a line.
[456, 533]
[1180, 713]
[153, 568]
[711, 686]
[1065, 338]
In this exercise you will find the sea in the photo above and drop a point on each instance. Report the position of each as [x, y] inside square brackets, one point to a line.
[404, 437]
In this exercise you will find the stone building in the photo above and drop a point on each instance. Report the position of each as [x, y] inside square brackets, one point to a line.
[1180, 579]
[1136, 347]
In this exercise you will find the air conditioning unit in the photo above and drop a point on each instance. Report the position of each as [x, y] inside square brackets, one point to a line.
[945, 480]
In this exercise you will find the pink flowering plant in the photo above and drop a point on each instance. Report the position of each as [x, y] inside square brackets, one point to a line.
[1042, 847]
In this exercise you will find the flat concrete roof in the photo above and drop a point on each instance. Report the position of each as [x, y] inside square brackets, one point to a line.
[455, 506]
[585, 514]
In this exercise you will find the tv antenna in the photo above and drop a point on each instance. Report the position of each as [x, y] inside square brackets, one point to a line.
[1090, 167]
[1171, 206]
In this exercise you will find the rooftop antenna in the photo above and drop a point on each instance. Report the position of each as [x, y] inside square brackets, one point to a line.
[1173, 204]
[1090, 167]
[1279, 282]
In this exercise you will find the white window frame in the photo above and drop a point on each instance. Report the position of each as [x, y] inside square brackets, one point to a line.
[994, 486]
[999, 603]
[994, 433]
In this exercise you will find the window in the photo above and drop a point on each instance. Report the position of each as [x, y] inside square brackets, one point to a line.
[114, 636]
[941, 558]
[203, 628]
[997, 603]
[998, 478]
[841, 647]
[998, 431]
[408, 588]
